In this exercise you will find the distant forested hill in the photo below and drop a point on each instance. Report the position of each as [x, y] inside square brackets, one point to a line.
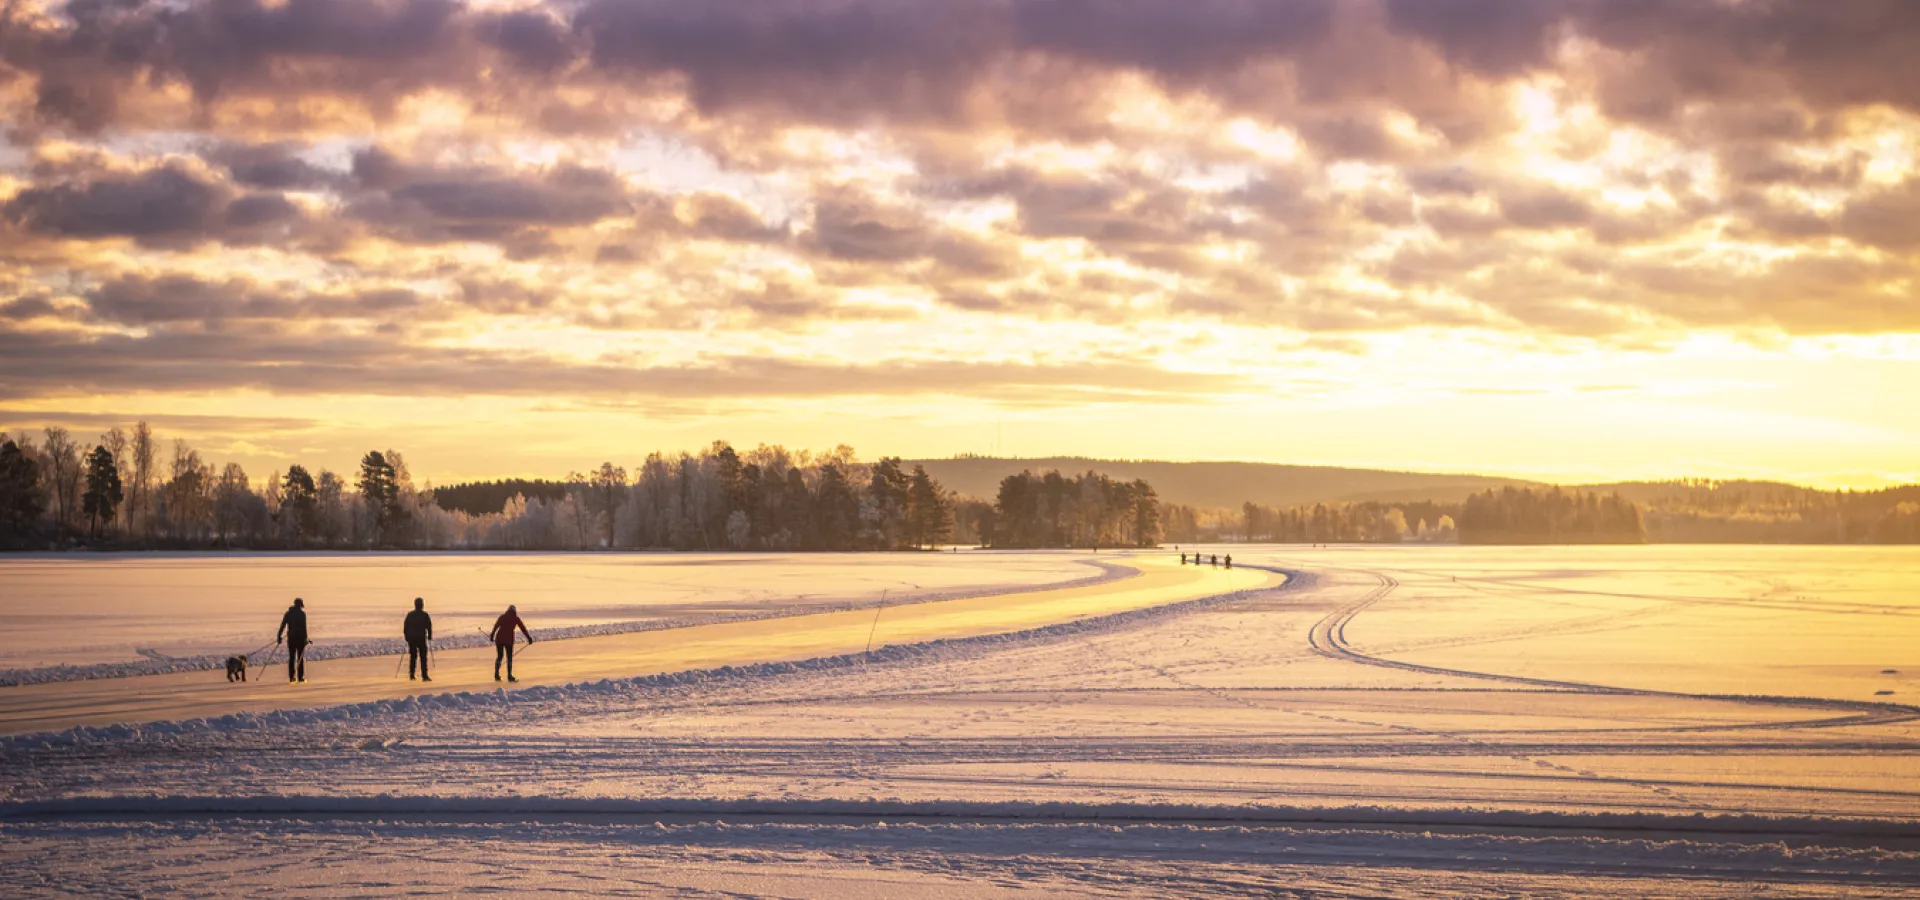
[1205, 501]
[1698, 510]
[1226, 485]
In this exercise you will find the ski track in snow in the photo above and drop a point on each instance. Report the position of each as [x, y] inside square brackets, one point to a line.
[1328, 638]
[1238, 744]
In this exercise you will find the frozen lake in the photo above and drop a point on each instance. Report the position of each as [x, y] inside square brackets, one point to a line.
[85, 610]
[1395, 721]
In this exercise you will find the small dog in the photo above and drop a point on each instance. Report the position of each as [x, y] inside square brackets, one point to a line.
[236, 668]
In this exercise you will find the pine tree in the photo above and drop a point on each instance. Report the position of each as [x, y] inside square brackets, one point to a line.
[20, 503]
[103, 494]
[836, 509]
[1146, 515]
[380, 491]
[796, 511]
[299, 503]
[929, 510]
[887, 492]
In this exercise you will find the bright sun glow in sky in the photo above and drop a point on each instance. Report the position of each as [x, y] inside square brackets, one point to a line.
[1564, 240]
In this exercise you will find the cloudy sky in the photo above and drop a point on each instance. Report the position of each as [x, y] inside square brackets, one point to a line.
[1576, 239]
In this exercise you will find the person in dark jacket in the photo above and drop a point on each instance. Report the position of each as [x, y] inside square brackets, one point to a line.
[503, 641]
[293, 628]
[418, 631]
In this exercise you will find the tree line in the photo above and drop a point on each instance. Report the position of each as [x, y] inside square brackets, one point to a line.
[1054, 510]
[1331, 523]
[1369, 522]
[1684, 511]
[1550, 516]
[128, 493]
[1508, 516]
[133, 490]
[1702, 510]
[1899, 525]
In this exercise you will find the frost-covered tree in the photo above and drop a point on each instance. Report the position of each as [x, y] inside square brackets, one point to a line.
[332, 509]
[739, 530]
[63, 475]
[142, 452]
[239, 514]
[187, 497]
[608, 489]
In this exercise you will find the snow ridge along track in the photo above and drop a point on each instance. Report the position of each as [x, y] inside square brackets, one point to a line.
[148, 809]
[1328, 638]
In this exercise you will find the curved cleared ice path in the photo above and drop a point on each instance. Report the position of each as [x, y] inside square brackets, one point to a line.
[191, 695]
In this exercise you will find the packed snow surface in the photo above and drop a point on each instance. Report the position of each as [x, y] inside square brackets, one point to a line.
[1418, 721]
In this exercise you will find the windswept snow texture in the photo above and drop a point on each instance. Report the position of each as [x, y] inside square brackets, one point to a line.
[1392, 722]
[77, 617]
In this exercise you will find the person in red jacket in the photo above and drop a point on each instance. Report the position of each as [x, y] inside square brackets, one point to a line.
[503, 641]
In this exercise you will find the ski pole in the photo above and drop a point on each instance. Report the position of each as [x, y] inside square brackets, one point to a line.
[876, 621]
[265, 661]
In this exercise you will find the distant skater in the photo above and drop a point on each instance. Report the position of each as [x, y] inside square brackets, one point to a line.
[1183, 559]
[293, 628]
[1214, 559]
[418, 631]
[503, 641]
[1229, 560]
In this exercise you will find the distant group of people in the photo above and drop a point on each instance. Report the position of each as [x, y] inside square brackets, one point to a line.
[417, 629]
[1214, 559]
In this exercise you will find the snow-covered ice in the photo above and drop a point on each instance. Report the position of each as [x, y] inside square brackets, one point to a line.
[1391, 722]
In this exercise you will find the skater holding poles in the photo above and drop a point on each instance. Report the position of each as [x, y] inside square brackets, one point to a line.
[418, 630]
[293, 628]
[502, 635]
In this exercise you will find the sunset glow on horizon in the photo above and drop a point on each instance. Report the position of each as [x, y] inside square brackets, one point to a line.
[1568, 240]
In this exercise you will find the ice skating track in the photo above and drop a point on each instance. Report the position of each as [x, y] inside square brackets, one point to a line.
[197, 695]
